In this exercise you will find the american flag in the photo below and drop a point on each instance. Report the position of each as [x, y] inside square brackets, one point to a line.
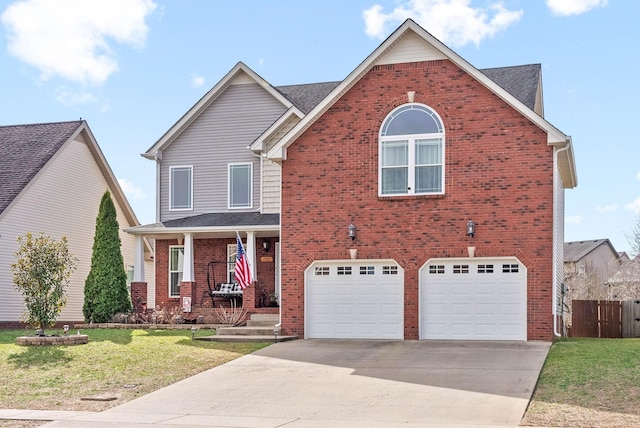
[242, 271]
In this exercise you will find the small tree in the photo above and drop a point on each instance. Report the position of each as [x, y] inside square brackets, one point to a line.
[634, 238]
[105, 290]
[41, 273]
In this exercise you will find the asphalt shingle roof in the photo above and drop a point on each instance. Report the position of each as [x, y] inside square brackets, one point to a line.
[306, 97]
[576, 250]
[225, 219]
[521, 81]
[24, 150]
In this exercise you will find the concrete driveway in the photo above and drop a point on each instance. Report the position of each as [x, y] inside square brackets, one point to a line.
[346, 383]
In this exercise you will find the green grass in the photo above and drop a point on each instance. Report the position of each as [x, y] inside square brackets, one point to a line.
[124, 363]
[586, 381]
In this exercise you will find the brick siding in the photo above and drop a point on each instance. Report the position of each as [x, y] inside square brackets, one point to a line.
[498, 173]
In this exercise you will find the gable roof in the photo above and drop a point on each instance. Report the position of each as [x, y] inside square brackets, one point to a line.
[26, 149]
[239, 71]
[437, 51]
[577, 250]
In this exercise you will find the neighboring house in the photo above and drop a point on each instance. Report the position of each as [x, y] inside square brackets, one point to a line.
[587, 266]
[367, 194]
[53, 176]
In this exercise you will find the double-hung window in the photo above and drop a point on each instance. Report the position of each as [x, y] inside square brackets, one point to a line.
[181, 188]
[176, 263]
[411, 155]
[240, 185]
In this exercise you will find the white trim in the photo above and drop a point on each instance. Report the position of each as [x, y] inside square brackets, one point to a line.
[411, 140]
[169, 295]
[229, 166]
[171, 169]
[554, 136]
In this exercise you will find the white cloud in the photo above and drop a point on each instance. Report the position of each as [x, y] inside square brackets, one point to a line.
[73, 38]
[638, 176]
[130, 190]
[607, 208]
[576, 219]
[453, 22]
[634, 206]
[72, 98]
[197, 81]
[574, 7]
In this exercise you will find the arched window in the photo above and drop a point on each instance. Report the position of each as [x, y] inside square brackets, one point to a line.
[411, 156]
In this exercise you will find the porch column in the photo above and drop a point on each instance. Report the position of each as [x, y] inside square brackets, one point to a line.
[187, 268]
[251, 253]
[138, 260]
[187, 285]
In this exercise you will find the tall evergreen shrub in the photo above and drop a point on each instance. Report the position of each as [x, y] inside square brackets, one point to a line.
[105, 289]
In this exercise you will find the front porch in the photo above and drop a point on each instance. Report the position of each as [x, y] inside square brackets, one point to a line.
[195, 262]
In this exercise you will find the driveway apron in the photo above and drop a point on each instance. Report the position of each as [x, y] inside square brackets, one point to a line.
[349, 383]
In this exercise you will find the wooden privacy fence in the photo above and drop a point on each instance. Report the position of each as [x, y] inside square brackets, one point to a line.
[605, 318]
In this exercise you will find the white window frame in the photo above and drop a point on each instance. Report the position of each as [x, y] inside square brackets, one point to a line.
[231, 263]
[230, 167]
[411, 140]
[180, 270]
[172, 207]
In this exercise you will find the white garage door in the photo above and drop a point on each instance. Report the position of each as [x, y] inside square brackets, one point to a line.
[473, 299]
[362, 299]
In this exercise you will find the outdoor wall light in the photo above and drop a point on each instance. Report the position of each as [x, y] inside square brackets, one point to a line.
[471, 228]
[265, 245]
[352, 232]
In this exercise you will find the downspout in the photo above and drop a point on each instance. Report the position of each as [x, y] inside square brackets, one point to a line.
[555, 253]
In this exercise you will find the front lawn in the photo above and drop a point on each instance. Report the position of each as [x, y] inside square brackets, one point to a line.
[588, 383]
[116, 362]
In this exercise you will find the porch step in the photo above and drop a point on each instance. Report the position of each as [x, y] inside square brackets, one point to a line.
[262, 323]
[246, 331]
[273, 318]
[259, 328]
[263, 320]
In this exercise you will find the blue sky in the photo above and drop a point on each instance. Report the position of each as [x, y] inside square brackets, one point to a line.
[131, 68]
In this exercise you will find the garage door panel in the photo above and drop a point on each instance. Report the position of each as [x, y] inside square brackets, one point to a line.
[393, 309]
[343, 308]
[461, 308]
[488, 309]
[367, 309]
[473, 299]
[461, 289]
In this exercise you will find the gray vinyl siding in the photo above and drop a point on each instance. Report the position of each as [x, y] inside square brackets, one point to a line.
[218, 137]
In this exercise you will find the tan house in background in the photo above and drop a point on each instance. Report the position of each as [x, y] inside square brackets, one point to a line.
[587, 267]
[53, 176]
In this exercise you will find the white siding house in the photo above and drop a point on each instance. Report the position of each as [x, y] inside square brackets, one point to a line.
[56, 176]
